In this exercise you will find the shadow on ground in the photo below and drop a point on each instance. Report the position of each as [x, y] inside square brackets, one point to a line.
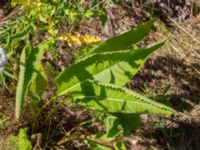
[168, 134]
[174, 82]
[165, 72]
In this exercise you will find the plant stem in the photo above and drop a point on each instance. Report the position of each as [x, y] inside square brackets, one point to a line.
[92, 139]
[46, 104]
[52, 111]
[79, 125]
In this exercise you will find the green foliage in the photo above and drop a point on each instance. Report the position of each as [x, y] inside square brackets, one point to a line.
[14, 40]
[118, 67]
[43, 17]
[2, 80]
[123, 41]
[96, 81]
[19, 142]
[114, 129]
[30, 68]
[53, 11]
[114, 99]
[2, 121]
[39, 84]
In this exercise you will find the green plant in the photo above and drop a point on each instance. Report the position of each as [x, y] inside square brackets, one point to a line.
[96, 83]
[17, 142]
[41, 18]
[2, 121]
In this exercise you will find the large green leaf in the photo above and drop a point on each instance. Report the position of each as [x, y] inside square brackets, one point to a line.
[115, 67]
[124, 40]
[113, 99]
[29, 67]
[22, 85]
[122, 72]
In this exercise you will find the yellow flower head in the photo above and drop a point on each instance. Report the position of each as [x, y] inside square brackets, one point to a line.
[78, 39]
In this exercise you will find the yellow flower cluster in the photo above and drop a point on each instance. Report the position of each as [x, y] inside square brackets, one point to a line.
[79, 39]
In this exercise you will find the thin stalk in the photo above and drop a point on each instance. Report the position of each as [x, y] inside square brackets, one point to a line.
[92, 139]
[76, 127]
[46, 104]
